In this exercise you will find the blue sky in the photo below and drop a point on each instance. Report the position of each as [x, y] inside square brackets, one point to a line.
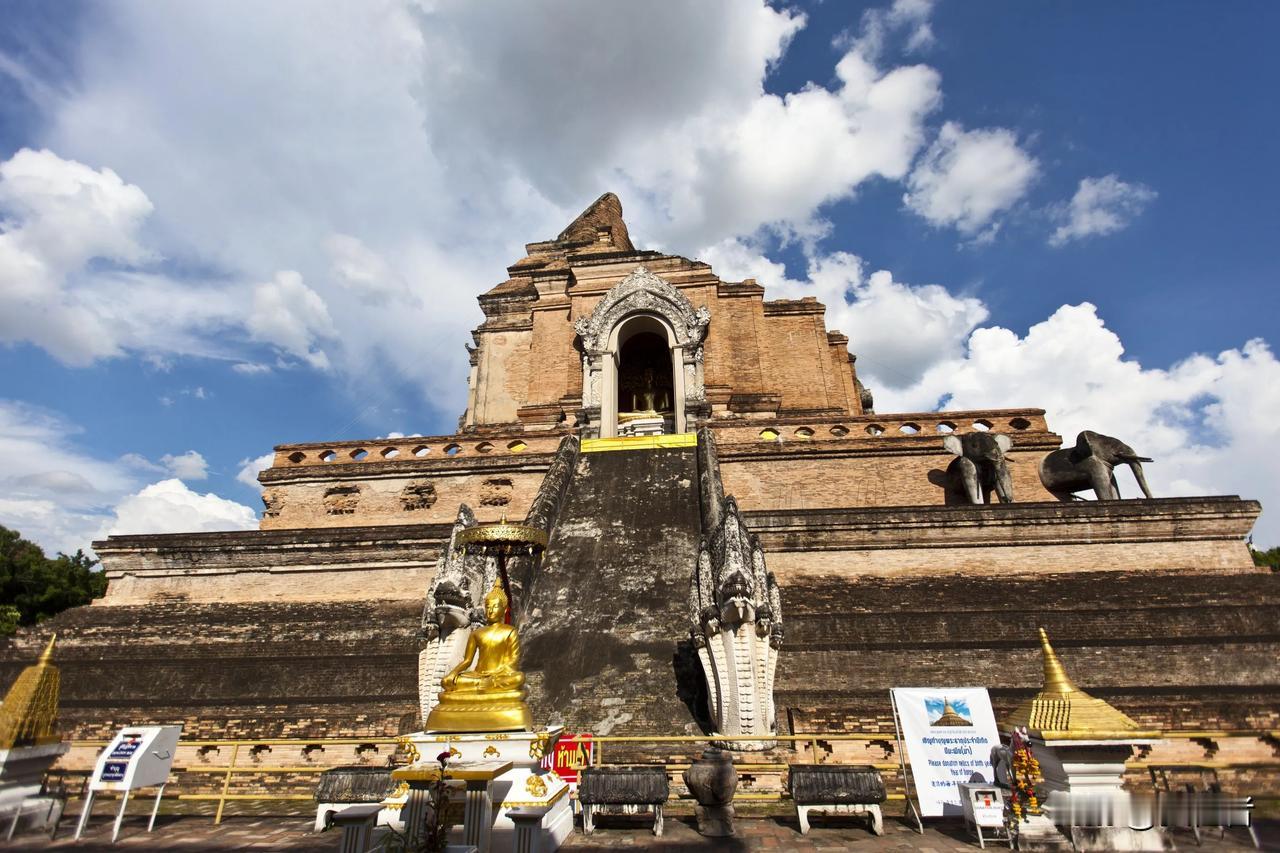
[234, 226]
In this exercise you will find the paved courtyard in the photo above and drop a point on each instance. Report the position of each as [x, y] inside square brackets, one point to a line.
[191, 833]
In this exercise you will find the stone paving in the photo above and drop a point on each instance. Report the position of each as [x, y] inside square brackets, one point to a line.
[192, 833]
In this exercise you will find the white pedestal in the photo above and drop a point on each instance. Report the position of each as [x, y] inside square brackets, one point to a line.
[525, 785]
[22, 772]
[1095, 768]
[643, 426]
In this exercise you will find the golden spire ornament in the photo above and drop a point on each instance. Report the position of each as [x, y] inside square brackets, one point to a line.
[29, 715]
[1062, 711]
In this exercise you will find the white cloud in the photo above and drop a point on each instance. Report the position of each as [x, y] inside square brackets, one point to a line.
[402, 153]
[1100, 206]
[251, 368]
[968, 178]
[250, 468]
[57, 216]
[186, 466]
[911, 16]
[70, 246]
[291, 316]
[898, 330]
[360, 269]
[63, 498]
[1209, 422]
[170, 507]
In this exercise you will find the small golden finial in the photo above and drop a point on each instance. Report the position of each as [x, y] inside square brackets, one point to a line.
[1056, 679]
[46, 657]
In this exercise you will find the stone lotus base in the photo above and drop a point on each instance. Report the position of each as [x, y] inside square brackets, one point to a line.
[526, 784]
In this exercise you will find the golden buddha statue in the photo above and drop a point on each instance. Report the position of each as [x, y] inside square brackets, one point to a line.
[648, 400]
[489, 698]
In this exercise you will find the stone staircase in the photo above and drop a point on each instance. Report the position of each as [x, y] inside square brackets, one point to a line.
[606, 625]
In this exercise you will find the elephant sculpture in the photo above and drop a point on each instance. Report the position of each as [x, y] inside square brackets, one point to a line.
[979, 468]
[1090, 465]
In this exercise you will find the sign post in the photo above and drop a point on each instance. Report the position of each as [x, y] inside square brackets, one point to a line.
[138, 757]
[949, 733]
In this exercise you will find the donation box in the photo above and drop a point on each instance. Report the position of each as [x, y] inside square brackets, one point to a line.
[138, 757]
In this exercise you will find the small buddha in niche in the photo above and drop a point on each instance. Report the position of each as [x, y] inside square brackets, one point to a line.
[649, 399]
[491, 696]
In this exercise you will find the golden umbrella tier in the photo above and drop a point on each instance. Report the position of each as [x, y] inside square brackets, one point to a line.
[1062, 711]
[504, 534]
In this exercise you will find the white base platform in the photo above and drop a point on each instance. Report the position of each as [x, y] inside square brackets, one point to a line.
[526, 785]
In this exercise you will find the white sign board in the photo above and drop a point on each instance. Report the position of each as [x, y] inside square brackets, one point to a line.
[949, 733]
[138, 757]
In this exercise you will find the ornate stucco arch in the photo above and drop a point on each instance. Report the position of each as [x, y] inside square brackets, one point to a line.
[641, 295]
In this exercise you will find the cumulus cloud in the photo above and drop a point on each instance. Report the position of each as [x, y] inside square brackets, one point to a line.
[70, 247]
[909, 16]
[456, 132]
[968, 178]
[170, 507]
[63, 497]
[1208, 421]
[1100, 206]
[898, 330]
[186, 466]
[57, 216]
[250, 468]
[292, 317]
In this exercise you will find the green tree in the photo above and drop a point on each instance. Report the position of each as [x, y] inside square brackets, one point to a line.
[9, 616]
[39, 586]
[1269, 558]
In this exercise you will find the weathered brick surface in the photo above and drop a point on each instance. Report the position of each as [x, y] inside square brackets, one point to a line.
[335, 564]
[607, 614]
[233, 670]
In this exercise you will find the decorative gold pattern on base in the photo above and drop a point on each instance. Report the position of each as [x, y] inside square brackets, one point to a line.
[536, 786]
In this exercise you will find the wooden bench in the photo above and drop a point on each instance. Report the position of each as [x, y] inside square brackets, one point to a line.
[629, 789]
[837, 789]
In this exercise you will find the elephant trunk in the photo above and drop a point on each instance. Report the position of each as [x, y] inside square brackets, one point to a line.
[1004, 484]
[1135, 465]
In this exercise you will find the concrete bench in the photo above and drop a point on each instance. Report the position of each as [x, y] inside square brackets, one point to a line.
[628, 789]
[341, 788]
[837, 789]
[357, 823]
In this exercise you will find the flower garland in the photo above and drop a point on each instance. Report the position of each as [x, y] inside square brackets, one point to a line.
[1024, 776]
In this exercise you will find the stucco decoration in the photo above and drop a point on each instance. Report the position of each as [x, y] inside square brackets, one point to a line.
[735, 612]
[642, 292]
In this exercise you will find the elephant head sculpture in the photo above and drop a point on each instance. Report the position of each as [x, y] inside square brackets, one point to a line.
[1090, 465]
[979, 468]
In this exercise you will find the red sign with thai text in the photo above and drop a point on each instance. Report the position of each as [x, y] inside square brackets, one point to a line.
[572, 753]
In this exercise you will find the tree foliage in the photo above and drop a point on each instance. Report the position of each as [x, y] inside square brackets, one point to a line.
[1269, 558]
[40, 586]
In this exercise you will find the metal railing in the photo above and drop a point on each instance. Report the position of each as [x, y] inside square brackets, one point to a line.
[811, 743]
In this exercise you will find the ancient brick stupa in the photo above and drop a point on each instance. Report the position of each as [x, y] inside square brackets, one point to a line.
[739, 543]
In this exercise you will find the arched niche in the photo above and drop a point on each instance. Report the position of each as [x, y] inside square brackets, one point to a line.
[640, 305]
